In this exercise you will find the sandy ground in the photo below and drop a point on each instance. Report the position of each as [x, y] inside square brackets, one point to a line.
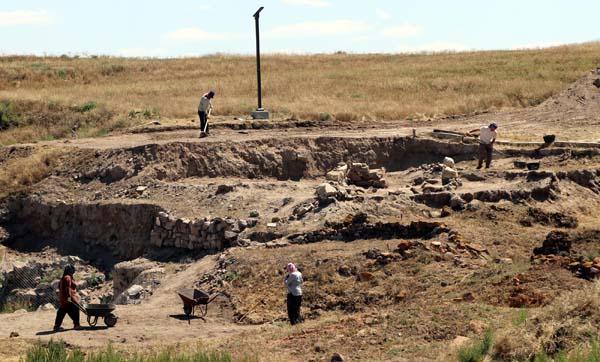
[159, 321]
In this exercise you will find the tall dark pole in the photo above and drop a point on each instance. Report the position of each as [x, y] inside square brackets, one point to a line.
[256, 17]
[260, 113]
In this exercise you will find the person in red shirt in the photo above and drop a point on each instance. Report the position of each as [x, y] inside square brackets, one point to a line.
[67, 296]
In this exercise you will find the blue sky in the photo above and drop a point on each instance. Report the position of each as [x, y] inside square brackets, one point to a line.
[193, 27]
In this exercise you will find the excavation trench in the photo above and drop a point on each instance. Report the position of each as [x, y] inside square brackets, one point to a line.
[103, 233]
[287, 159]
[283, 159]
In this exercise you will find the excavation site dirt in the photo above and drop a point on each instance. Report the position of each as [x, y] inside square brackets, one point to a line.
[406, 248]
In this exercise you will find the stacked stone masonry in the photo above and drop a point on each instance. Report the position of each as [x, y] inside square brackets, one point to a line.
[198, 234]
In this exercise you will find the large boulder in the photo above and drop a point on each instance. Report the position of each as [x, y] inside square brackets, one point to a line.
[338, 174]
[325, 191]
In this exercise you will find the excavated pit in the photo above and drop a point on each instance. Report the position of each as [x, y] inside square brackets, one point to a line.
[106, 232]
[289, 159]
[103, 233]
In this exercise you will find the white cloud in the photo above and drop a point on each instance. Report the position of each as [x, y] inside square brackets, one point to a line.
[382, 14]
[25, 17]
[313, 3]
[317, 28]
[195, 34]
[402, 31]
[434, 47]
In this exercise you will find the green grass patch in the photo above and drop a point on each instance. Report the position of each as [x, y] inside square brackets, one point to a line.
[86, 107]
[57, 351]
[589, 354]
[520, 318]
[8, 116]
[146, 113]
[477, 351]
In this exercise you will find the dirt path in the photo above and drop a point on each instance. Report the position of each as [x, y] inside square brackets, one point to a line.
[140, 139]
[157, 322]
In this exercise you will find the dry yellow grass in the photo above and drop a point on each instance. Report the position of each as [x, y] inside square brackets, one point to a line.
[19, 173]
[343, 85]
[571, 320]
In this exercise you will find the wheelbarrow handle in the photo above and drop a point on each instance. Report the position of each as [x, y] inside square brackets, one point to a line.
[79, 306]
[213, 297]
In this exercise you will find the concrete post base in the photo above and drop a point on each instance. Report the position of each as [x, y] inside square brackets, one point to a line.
[260, 114]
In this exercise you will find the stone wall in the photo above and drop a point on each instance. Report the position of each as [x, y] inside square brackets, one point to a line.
[198, 234]
[120, 229]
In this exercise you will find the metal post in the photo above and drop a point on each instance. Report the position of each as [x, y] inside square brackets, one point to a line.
[256, 17]
[260, 113]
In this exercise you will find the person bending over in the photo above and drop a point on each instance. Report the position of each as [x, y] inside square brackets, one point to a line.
[487, 137]
[204, 109]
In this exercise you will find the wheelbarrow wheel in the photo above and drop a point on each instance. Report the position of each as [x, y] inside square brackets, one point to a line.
[92, 320]
[110, 320]
[188, 309]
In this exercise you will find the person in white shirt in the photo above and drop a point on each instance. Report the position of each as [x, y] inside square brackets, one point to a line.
[487, 137]
[293, 281]
[204, 109]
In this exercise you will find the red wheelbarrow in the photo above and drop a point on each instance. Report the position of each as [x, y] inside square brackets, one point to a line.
[193, 298]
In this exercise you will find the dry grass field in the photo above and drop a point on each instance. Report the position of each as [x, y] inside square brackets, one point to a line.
[99, 94]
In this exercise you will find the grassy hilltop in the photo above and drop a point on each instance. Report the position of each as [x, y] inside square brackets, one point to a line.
[44, 97]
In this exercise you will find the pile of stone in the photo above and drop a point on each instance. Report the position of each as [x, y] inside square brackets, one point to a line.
[445, 172]
[358, 174]
[585, 269]
[330, 192]
[556, 249]
[556, 243]
[200, 234]
[450, 174]
[338, 174]
[302, 209]
[357, 227]
[382, 257]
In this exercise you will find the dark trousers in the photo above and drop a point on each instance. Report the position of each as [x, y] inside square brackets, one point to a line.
[203, 121]
[485, 152]
[293, 308]
[69, 309]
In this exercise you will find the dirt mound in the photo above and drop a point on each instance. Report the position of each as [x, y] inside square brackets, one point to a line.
[581, 94]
